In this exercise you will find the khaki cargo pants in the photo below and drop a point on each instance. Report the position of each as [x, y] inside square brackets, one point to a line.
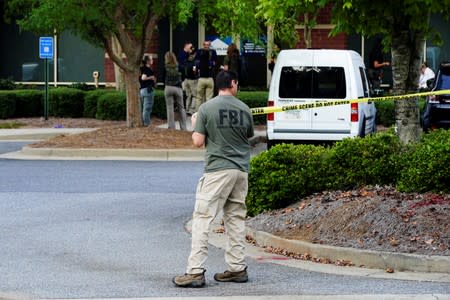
[222, 190]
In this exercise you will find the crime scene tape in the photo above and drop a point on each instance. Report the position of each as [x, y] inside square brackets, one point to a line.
[332, 102]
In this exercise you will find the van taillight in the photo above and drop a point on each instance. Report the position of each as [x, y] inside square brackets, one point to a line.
[354, 112]
[270, 116]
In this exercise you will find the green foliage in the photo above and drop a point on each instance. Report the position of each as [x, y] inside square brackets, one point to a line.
[11, 125]
[426, 164]
[66, 102]
[7, 105]
[82, 86]
[285, 15]
[370, 18]
[90, 102]
[29, 103]
[365, 161]
[7, 84]
[112, 106]
[255, 99]
[284, 174]
[233, 18]
[385, 113]
[159, 105]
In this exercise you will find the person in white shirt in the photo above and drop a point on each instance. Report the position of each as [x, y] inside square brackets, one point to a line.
[425, 74]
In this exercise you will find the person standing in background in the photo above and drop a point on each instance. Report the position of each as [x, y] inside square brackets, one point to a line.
[376, 64]
[172, 91]
[146, 82]
[425, 74]
[186, 63]
[190, 82]
[205, 59]
[231, 60]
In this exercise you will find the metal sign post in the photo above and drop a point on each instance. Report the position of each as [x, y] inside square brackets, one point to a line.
[46, 52]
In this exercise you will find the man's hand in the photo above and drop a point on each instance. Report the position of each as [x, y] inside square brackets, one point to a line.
[193, 120]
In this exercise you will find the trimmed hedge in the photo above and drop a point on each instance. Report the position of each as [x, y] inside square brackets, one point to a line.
[7, 105]
[112, 106]
[364, 161]
[426, 164]
[66, 102]
[29, 103]
[90, 102]
[386, 111]
[286, 173]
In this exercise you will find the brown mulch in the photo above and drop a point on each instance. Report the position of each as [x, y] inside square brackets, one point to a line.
[374, 218]
[109, 134]
[121, 137]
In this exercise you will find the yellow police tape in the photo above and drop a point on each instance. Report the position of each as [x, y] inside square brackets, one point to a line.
[326, 103]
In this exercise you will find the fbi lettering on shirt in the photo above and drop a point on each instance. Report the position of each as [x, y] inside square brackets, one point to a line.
[232, 118]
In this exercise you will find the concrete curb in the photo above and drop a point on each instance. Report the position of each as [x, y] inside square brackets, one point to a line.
[359, 257]
[109, 154]
[38, 133]
[219, 239]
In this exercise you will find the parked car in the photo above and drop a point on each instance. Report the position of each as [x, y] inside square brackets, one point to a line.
[437, 111]
[303, 76]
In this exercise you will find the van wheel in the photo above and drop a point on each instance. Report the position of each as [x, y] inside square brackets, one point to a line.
[362, 131]
[270, 143]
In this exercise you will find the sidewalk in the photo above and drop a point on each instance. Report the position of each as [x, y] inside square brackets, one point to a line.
[420, 267]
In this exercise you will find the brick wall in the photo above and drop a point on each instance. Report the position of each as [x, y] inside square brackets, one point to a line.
[321, 40]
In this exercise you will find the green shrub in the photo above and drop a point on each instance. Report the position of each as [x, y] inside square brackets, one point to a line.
[66, 102]
[7, 84]
[29, 103]
[90, 101]
[7, 105]
[284, 174]
[426, 164]
[255, 99]
[365, 161]
[159, 104]
[112, 106]
[82, 86]
[386, 111]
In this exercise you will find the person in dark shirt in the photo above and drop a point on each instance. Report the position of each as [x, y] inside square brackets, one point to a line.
[206, 59]
[147, 82]
[376, 61]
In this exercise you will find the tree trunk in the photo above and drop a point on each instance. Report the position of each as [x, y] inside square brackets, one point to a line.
[134, 118]
[118, 73]
[405, 69]
[307, 32]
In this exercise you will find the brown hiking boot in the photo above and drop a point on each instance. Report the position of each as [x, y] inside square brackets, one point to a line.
[228, 276]
[190, 280]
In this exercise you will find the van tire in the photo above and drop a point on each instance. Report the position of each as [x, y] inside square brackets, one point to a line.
[362, 131]
[270, 143]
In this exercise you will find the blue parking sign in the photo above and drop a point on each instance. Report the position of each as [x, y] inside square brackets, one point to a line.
[46, 47]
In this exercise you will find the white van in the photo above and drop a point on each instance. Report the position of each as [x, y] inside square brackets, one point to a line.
[304, 76]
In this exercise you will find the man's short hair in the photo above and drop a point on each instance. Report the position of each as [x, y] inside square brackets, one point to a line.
[224, 79]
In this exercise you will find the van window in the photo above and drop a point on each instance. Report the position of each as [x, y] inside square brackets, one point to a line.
[312, 82]
[362, 72]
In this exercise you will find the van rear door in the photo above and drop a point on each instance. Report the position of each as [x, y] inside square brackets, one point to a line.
[330, 84]
[306, 84]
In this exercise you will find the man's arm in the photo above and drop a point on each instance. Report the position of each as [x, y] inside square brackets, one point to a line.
[198, 139]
